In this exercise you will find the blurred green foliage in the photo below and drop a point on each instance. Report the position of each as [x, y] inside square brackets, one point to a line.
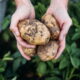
[14, 67]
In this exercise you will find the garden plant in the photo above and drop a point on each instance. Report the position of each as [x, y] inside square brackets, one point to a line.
[14, 67]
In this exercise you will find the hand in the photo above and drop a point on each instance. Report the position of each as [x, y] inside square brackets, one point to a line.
[22, 11]
[22, 52]
[59, 11]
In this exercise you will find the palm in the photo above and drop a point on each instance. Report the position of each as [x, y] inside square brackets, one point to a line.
[62, 17]
[21, 12]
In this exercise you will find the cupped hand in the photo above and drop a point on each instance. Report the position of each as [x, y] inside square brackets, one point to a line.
[59, 11]
[22, 12]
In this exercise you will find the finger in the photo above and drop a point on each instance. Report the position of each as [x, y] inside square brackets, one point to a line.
[13, 25]
[49, 11]
[32, 15]
[16, 33]
[61, 48]
[65, 29]
[22, 53]
[23, 43]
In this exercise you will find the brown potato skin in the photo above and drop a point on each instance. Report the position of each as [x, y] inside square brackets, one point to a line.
[29, 51]
[52, 24]
[34, 32]
[48, 52]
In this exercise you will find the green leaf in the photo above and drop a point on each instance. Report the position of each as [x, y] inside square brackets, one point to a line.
[2, 69]
[68, 49]
[46, 2]
[75, 52]
[2, 66]
[16, 64]
[74, 49]
[75, 22]
[40, 10]
[73, 46]
[7, 54]
[75, 62]
[7, 57]
[2, 77]
[41, 69]
[56, 71]
[6, 36]
[64, 63]
[16, 54]
[15, 78]
[36, 59]
[23, 61]
[53, 78]
[5, 23]
[50, 65]
[76, 36]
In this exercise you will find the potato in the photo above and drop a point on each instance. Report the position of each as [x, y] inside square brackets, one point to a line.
[34, 32]
[29, 51]
[37, 33]
[53, 26]
[47, 52]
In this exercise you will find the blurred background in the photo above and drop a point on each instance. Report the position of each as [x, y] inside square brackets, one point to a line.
[14, 67]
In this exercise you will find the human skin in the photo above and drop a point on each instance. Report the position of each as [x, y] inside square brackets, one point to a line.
[24, 9]
[58, 8]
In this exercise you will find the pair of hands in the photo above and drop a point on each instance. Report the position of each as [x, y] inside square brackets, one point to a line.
[59, 11]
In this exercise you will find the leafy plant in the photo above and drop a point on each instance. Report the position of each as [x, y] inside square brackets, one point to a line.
[14, 67]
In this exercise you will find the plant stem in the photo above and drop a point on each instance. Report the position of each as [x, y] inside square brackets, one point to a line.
[76, 75]
[71, 74]
[67, 74]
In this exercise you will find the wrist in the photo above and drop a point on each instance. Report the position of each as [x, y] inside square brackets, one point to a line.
[63, 3]
[22, 2]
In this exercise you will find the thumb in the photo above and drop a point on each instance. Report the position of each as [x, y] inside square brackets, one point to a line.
[49, 11]
[32, 15]
[64, 30]
[13, 26]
